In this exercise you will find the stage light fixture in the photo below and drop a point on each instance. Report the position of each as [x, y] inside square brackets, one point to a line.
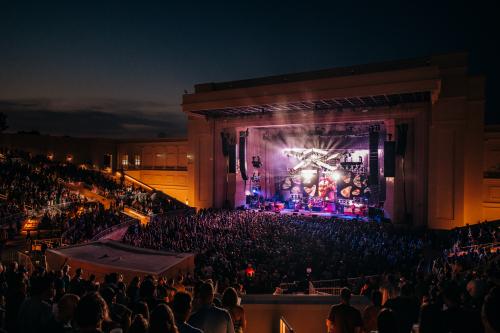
[336, 175]
[307, 175]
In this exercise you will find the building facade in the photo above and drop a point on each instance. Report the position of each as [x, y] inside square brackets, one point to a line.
[437, 182]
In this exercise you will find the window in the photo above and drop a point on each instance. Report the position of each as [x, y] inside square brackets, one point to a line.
[137, 160]
[124, 160]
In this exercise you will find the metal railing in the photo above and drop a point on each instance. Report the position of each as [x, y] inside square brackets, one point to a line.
[128, 222]
[492, 247]
[325, 287]
[285, 327]
[326, 291]
[158, 167]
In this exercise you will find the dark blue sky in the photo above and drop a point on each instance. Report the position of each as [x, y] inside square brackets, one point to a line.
[119, 69]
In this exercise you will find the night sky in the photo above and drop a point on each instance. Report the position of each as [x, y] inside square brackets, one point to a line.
[118, 69]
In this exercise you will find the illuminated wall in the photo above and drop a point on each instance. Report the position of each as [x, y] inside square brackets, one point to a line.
[491, 180]
[161, 164]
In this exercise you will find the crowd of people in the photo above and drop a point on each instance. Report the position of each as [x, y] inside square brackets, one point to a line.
[84, 225]
[440, 281]
[147, 202]
[37, 187]
[456, 291]
[459, 291]
[60, 301]
[280, 248]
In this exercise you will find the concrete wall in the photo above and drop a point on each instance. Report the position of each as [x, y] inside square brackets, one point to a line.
[158, 154]
[456, 151]
[163, 164]
[304, 313]
[202, 143]
[491, 181]
[173, 183]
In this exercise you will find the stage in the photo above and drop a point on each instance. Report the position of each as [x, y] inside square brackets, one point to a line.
[308, 213]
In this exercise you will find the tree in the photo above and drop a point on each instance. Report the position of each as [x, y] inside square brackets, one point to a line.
[3, 122]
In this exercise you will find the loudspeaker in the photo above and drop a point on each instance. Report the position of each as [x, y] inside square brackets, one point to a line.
[389, 159]
[373, 158]
[242, 148]
[402, 138]
[225, 143]
[231, 150]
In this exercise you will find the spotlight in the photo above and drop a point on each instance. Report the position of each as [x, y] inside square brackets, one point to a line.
[336, 175]
[307, 175]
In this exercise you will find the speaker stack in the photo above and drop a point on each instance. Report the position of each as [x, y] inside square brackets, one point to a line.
[229, 151]
[389, 159]
[373, 157]
[242, 149]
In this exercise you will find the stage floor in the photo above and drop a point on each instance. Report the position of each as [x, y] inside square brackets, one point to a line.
[305, 212]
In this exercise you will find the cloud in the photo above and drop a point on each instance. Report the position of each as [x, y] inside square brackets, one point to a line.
[95, 118]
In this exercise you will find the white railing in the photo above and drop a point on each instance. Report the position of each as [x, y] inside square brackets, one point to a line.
[325, 287]
[325, 291]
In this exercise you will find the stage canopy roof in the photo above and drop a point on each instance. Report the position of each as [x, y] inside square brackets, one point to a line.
[355, 88]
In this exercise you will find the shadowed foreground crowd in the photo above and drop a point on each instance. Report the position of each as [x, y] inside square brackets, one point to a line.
[458, 292]
[65, 302]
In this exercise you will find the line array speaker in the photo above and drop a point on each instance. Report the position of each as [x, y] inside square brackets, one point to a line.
[402, 138]
[389, 159]
[373, 157]
[242, 148]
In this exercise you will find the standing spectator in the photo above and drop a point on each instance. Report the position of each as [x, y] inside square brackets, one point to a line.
[76, 285]
[36, 312]
[139, 325]
[490, 311]
[371, 312]
[405, 307]
[15, 296]
[90, 313]
[162, 320]
[182, 306]
[386, 322]
[62, 322]
[208, 317]
[66, 277]
[344, 318]
[230, 303]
